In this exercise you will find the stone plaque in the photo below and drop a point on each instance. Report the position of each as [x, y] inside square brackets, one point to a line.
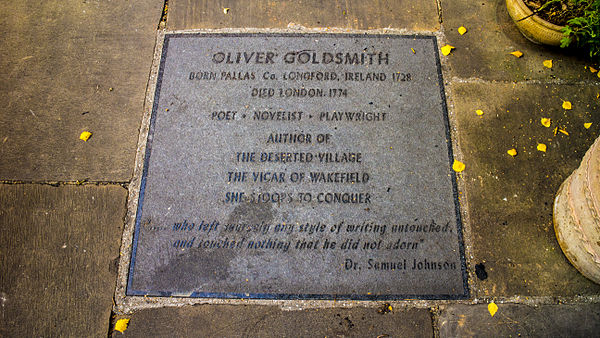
[291, 166]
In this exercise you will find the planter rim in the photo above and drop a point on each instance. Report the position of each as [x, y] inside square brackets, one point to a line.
[535, 17]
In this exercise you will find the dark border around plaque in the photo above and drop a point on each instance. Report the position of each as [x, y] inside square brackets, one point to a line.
[131, 291]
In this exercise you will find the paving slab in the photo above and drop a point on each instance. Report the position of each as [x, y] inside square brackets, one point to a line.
[483, 52]
[270, 321]
[58, 258]
[354, 14]
[510, 199]
[68, 68]
[513, 320]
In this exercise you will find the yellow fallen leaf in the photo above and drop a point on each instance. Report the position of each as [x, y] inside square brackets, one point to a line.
[121, 325]
[548, 63]
[593, 70]
[563, 131]
[546, 122]
[492, 308]
[413, 50]
[225, 10]
[479, 112]
[566, 105]
[517, 53]
[458, 166]
[85, 136]
[555, 131]
[598, 74]
[587, 125]
[447, 49]
[512, 152]
[541, 147]
[462, 30]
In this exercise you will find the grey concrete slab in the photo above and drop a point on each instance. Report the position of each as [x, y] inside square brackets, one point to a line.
[511, 320]
[70, 67]
[510, 199]
[267, 321]
[58, 258]
[483, 52]
[355, 14]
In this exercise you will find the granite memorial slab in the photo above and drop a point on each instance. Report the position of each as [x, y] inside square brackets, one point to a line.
[299, 166]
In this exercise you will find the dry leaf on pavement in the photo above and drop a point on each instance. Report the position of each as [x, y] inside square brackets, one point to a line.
[492, 308]
[517, 53]
[447, 49]
[546, 122]
[458, 166]
[85, 136]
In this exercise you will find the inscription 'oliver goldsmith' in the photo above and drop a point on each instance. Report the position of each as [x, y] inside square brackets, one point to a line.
[301, 57]
[303, 166]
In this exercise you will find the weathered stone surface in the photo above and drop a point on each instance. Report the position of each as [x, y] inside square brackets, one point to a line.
[60, 247]
[70, 67]
[510, 199]
[264, 321]
[355, 14]
[483, 52]
[274, 173]
[513, 320]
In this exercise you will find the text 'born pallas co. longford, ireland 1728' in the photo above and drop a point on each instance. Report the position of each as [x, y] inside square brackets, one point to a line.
[289, 166]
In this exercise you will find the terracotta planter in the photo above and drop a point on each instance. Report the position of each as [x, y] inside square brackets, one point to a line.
[577, 215]
[534, 28]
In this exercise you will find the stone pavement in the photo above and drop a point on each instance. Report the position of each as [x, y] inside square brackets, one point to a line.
[70, 67]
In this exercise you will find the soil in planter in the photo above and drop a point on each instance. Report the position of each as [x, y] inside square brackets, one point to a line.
[557, 12]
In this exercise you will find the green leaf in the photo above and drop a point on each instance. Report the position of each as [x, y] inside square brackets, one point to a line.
[565, 42]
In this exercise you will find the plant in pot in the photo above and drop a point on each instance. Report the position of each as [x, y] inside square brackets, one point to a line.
[565, 23]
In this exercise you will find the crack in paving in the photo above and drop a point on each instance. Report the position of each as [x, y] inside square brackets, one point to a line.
[456, 79]
[162, 23]
[84, 182]
[438, 4]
